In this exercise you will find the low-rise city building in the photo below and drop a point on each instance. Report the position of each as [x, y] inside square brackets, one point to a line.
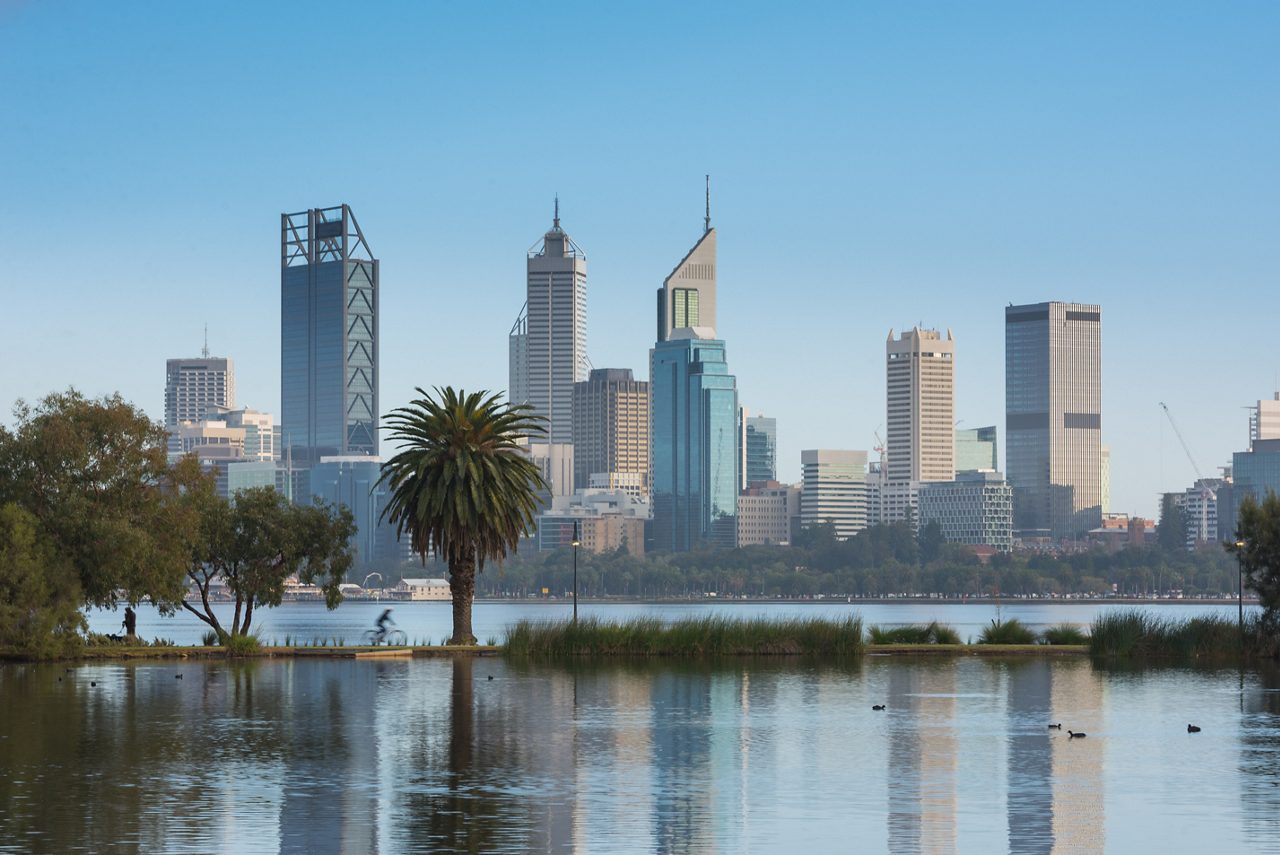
[976, 509]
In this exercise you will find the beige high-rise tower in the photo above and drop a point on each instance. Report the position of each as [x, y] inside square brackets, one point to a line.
[920, 393]
[611, 427]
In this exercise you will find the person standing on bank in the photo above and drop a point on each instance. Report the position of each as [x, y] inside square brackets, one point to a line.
[130, 622]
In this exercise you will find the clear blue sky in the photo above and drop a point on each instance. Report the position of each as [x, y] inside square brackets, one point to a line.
[873, 166]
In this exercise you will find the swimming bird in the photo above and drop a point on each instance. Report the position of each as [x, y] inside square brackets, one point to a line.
[177, 676]
[1191, 728]
[91, 683]
[1071, 734]
[877, 707]
[490, 676]
[1057, 726]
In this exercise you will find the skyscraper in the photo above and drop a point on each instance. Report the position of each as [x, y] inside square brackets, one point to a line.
[191, 387]
[1053, 417]
[611, 426]
[328, 336]
[920, 393]
[834, 490]
[552, 340]
[694, 409]
[695, 448]
[760, 445]
[687, 298]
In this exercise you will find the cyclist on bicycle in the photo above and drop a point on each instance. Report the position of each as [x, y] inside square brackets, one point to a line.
[382, 624]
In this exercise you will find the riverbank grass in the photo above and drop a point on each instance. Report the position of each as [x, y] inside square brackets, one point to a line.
[1142, 635]
[930, 633]
[698, 636]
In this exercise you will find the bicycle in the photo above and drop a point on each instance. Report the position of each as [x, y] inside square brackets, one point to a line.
[391, 637]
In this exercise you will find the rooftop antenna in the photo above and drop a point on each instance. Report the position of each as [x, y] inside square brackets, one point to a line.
[706, 223]
[204, 352]
[556, 223]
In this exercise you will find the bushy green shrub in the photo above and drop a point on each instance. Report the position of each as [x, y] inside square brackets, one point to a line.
[1012, 631]
[931, 633]
[1064, 633]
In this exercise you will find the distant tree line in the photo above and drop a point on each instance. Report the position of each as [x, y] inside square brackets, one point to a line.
[879, 561]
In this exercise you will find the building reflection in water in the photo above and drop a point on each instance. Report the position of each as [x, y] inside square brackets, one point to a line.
[1260, 756]
[921, 777]
[1055, 784]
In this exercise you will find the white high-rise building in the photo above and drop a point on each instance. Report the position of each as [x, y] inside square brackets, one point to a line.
[261, 434]
[920, 397]
[1264, 420]
[191, 388]
[834, 490]
[553, 337]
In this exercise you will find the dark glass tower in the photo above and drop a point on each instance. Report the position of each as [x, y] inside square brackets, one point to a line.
[328, 336]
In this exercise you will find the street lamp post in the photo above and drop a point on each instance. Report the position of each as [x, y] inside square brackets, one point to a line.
[1240, 584]
[576, 544]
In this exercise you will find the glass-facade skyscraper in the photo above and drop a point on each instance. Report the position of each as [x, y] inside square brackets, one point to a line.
[1053, 417]
[976, 449]
[760, 447]
[695, 448]
[328, 336]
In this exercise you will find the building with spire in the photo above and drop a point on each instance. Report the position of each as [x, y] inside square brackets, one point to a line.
[687, 298]
[694, 411]
[192, 387]
[548, 343]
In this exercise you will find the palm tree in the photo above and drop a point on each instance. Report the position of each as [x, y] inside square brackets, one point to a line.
[461, 486]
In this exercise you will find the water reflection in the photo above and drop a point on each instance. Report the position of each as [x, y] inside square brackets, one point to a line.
[482, 755]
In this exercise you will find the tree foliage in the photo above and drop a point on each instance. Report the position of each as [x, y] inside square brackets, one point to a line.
[461, 486]
[92, 474]
[253, 544]
[1257, 547]
[39, 593]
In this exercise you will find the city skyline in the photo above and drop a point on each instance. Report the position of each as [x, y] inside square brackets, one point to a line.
[1144, 211]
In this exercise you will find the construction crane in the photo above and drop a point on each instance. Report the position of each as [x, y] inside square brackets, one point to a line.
[1178, 434]
[1207, 493]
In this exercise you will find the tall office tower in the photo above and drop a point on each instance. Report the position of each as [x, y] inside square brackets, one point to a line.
[191, 387]
[760, 446]
[694, 441]
[920, 385]
[328, 336]
[611, 426]
[976, 449]
[518, 359]
[834, 490]
[687, 298]
[1053, 417]
[555, 331]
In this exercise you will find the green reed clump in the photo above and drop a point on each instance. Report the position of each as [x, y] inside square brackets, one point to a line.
[1064, 633]
[1144, 635]
[930, 633]
[697, 636]
[242, 645]
[1011, 631]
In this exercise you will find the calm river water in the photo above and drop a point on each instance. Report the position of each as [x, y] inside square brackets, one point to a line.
[489, 755]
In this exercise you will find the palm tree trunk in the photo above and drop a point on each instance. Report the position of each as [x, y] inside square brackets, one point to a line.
[462, 585]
